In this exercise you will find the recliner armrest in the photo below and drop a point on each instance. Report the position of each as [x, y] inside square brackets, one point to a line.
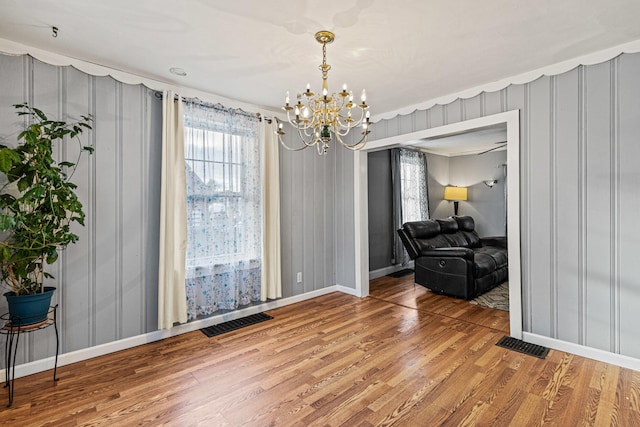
[497, 241]
[456, 252]
[409, 244]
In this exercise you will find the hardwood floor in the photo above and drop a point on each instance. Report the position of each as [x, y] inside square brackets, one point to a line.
[402, 356]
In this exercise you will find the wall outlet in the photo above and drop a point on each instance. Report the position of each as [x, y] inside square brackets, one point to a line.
[299, 277]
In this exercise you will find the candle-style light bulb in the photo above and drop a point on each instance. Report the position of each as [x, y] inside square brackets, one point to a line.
[364, 96]
[297, 111]
[308, 87]
[324, 91]
[286, 99]
[367, 115]
[280, 126]
[350, 95]
[344, 87]
[305, 112]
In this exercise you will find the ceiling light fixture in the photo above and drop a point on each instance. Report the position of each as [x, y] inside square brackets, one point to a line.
[319, 118]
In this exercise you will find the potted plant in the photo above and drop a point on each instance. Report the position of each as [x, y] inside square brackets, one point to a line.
[37, 206]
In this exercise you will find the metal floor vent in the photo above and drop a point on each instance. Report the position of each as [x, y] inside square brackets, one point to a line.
[232, 325]
[523, 347]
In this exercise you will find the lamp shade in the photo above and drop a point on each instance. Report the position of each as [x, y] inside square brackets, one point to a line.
[455, 193]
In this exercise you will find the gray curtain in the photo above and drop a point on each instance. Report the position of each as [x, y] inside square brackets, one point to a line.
[410, 194]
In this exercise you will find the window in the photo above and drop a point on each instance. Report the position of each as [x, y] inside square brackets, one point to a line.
[410, 194]
[224, 209]
[413, 183]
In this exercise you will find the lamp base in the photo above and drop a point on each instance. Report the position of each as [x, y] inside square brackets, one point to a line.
[455, 208]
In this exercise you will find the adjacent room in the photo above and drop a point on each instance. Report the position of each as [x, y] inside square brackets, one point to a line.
[351, 213]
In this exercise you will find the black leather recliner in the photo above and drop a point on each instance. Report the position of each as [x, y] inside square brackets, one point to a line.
[451, 259]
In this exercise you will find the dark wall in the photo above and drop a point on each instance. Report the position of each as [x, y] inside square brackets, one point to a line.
[380, 210]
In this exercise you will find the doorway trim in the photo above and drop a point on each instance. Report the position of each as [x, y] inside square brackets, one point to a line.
[361, 208]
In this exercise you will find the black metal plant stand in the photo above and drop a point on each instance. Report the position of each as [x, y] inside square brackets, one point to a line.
[13, 329]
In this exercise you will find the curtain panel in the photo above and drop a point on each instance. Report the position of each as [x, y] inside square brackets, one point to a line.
[224, 208]
[271, 272]
[410, 194]
[172, 304]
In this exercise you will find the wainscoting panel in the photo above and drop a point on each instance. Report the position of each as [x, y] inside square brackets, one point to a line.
[405, 124]
[436, 116]
[345, 242]
[626, 231]
[579, 198]
[76, 294]
[540, 162]
[566, 201]
[454, 111]
[598, 147]
[472, 107]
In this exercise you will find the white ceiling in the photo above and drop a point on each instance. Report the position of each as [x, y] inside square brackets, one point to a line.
[478, 141]
[403, 52]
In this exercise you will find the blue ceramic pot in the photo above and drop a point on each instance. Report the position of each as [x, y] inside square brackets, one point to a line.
[29, 309]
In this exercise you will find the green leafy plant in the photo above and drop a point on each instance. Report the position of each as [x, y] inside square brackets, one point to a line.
[38, 202]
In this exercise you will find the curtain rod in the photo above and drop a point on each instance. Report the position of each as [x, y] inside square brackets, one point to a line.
[217, 106]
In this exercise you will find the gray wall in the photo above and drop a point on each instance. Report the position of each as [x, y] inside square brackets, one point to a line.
[380, 196]
[486, 205]
[578, 197]
[308, 217]
[439, 177]
[345, 251]
[107, 282]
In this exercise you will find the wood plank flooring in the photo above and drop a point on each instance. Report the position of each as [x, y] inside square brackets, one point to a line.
[402, 357]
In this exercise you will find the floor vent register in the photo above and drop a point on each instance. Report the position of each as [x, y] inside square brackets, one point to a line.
[523, 347]
[232, 325]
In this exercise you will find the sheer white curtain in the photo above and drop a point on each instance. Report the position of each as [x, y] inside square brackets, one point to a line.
[413, 185]
[271, 271]
[224, 208]
[172, 302]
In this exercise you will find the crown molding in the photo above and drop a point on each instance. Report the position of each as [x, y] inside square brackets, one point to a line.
[550, 70]
[8, 47]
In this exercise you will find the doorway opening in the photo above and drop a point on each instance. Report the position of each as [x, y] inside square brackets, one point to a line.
[509, 120]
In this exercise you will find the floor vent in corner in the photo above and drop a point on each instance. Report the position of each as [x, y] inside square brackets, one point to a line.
[232, 325]
[523, 347]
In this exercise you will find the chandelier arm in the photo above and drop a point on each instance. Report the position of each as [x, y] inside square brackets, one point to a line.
[356, 145]
[304, 141]
[355, 123]
[310, 142]
[297, 125]
[347, 127]
[289, 148]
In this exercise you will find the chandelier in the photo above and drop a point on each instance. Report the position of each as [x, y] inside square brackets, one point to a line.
[319, 118]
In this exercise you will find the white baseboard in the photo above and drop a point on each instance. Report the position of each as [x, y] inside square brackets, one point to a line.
[384, 271]
[388, 270]
[581, 350]
[346, 290]
[123, 344]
